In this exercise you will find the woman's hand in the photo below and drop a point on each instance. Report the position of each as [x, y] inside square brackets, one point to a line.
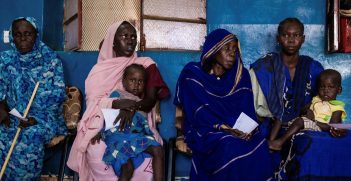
[31, 121]
[127, 109]
[238, 133]
[4, 118]
[241, 135]
[125, 117]
[96, 139]
[126, 104]
[337, 132]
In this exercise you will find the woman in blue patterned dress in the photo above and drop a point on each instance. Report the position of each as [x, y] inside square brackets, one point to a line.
[28, 62]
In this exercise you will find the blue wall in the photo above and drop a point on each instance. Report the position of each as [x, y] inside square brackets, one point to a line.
[52, 24]
[10, 9]
[49, 15]
[254, 22]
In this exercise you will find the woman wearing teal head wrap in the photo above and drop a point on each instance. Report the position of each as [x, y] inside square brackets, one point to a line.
[29, 61]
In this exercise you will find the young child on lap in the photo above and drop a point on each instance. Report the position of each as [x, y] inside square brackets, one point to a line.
[128, 142]
[324, 109]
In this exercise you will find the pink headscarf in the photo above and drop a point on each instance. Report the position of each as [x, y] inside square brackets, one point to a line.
[104, 77]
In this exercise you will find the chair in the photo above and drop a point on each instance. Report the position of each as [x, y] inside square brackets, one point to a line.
[177, 145]
[71, 110]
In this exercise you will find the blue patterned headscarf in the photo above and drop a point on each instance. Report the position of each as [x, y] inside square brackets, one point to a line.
[39, 48]
[33, 22]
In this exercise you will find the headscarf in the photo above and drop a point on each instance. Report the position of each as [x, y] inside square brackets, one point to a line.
[214, 42]
[37, 43]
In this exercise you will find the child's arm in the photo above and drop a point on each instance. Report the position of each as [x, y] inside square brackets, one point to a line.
[309, 114]
[324, 126]
[304, 111]
[335, 118]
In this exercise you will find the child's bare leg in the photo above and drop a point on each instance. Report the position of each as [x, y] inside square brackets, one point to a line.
[157, 161]
[275, 129]
[126, 171]
[295, 127]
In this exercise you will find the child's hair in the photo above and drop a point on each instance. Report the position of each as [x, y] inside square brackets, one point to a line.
[290, 20]
[136, 67]
[333, 74]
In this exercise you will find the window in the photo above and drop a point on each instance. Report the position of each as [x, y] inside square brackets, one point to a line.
[72, 24]
[338, 26]
[174, 25]
[162, 24]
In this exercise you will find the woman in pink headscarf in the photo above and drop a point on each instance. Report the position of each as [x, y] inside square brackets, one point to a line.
[117, 52]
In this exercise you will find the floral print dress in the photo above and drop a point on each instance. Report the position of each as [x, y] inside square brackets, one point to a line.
[18, 76]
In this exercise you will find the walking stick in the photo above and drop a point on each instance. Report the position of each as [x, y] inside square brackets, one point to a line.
[18, 131]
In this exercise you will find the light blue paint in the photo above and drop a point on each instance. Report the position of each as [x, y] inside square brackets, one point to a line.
[264, 36]
[346, 96]
[53, 24]
[264, 11]
[49, 15]
[170, 64]
[10, 9]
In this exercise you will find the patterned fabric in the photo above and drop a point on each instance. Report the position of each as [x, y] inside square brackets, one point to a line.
[317, 156]
[307, 124]
[286, 97]
[72, 107]
[208, 101]
[323, 110]
[134, 140]
[18, 76]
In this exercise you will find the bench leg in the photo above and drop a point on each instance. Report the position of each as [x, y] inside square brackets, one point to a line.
[61, 173]
[170, 160]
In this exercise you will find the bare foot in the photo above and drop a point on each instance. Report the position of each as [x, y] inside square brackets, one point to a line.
[275, 145]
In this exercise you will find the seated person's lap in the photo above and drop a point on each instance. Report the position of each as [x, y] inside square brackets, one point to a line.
[102, 171]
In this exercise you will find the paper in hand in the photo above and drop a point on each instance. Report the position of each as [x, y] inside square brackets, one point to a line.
[110, 116]
[15, 113]
[245, 124]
